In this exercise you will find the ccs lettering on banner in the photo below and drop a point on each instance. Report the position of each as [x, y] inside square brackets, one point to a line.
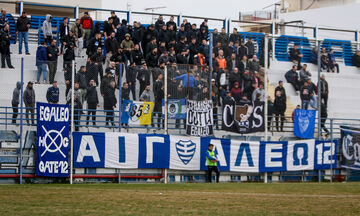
[350, 147]
[243, 117]
[52, 140]
[199, 120]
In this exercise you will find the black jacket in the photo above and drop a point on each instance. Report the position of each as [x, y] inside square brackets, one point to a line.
[305, 93]
[279, 105]
[80, 77]
[69, 55]
[54, 51]
[109, 98]
[131, 75]
[137, 56]
[111, 45]
[91, 95]
[21, 24]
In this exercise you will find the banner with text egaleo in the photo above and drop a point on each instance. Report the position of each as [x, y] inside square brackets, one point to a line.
[52, 140]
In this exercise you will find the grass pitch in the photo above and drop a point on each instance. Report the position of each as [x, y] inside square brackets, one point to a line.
[182, 199]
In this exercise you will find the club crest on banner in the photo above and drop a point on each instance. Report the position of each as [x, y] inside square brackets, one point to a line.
[185, 150]
[242, 114]
[174, 108]
[304, 123]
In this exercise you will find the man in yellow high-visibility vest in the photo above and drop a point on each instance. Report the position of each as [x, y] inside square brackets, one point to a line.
[211, 163]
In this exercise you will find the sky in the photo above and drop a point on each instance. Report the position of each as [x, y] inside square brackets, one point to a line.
[211, 8]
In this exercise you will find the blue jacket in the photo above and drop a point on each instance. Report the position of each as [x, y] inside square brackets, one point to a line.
[188, 81]
[41, 56]
[52, 95]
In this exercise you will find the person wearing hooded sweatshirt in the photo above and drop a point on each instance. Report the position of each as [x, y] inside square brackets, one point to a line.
[29, 100]
[47, 29]
[15, 101]
[41, 61]
[127, 45]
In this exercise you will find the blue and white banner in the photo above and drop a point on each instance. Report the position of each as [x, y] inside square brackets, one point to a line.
[304, 123]
[52, 140]
[350, 147]
[176, 108]
[138, 151]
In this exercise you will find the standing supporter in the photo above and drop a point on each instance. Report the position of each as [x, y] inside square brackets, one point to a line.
[312, 88]
[152, 58]
[304, 74]
[332, 62]
[68, 78]
[243, 64]
[223, 38]
[3, 19]
[52, 56]
[150, 46]
[116, 20]
[193, 50]
[92, 72]
[41, 61]
[52, 94]
[87, 26]
[163, 35]
[78, 34]
[220, 61]
[96, 30]
[125, 93]
[29, 101]
[234, 76]
[108, 28]
[144, 77]
[127, 45]
[92, 102]
[281, 88]
[279, 110]
[117, 57]
[5, 37]
[138, 34]
[236, 92]
[182, 51]
[233, 62]
[182, 33]
[261, 91]
[324, 89]
[146, 94]
[171, 23]
[80, 78]
[215, 97]
[234, 37]
[324, 116]
[64, 32]
[254, 65]
[99, 59]
[159, 23]
[136, 55]
[93, 44]
[47, 29]
[131, 73]
[187, 25]
[295, 56]
[305, 96]
[271, 114]
[251, 48]
[105, 83]
[77, 104]
[211, 163]
[292, 77]
[22, 30]
[204, 25]
[159, 96]
[243, 50]
[262, 47]
[15, 101]
[111, 46]
[69, 55]
[122, 31]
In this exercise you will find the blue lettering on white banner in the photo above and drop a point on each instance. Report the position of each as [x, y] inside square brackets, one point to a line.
[138, 151]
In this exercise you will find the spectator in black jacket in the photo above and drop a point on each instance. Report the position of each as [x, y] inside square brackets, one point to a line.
[108, 27]
[92, 71]
[105, 83]
[356, 59]
[159, 23]
[159, 96]
[271, 113]
[5, 37]
[324, 89]
[131, 73]
[110, 103]
[279, 110]
[69, 55]
[137, 55]
[15, 101]
[144, 77]
[94, 43]
[251, 48]
[281, 88]
[116, 20]
[68, 78]
[125, 93]
[243, 50]
[22, 30]
[305, 96]
[111, 46]
[295, 56]
[235, 36]
[64, 31]
[152, 58]
[52, 55]
[52, 94]
[171, 23]
[92, 102]
[80, 77]
[235, 76]
[99, 59]
[292, 77]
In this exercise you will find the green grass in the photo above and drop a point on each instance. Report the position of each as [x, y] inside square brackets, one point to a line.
[181, 199]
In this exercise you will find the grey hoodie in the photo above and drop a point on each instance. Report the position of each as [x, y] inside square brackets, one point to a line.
[47, 28]
[15, 98]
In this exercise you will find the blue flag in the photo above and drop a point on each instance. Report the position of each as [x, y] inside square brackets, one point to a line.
[176, 108]
[52, 140]
[304, 123]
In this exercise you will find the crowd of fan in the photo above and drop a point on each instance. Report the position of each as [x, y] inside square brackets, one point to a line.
[145, 52]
